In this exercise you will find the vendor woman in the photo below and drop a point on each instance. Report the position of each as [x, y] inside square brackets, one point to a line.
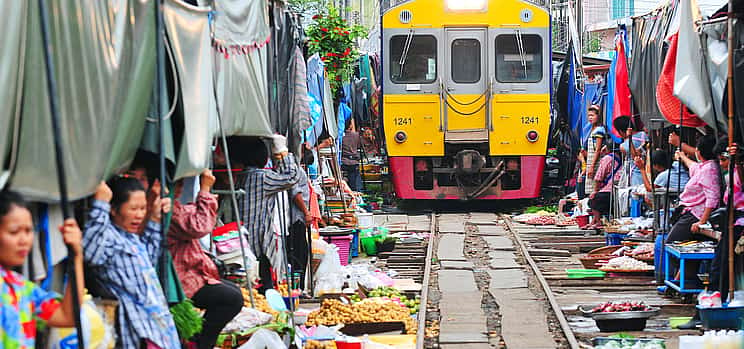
[123, 260]
[22, 301]
[702, 193]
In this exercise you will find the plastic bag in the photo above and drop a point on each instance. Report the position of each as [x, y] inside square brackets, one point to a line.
[247, 318]
[98, 334]
[329, 276]
[264, 339]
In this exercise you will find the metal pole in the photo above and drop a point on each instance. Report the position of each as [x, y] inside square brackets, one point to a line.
[160, 80]
[730, 89]
[58, 151]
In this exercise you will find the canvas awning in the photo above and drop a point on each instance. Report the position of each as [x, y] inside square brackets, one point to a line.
[104, 75]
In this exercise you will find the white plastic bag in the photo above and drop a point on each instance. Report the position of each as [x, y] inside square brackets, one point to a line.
[98, 334]
[329, 276]
[264, 339]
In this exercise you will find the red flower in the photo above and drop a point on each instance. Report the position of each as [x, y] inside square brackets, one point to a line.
[325, 30]
[338, 78]
[316, 16]
[347, 52]
[346, 32]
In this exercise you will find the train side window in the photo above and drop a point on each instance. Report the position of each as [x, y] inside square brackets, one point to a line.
[466, 61]
[519, 58]
[413, 59]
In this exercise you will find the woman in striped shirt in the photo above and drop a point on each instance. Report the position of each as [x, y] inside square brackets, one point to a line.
[123, 260]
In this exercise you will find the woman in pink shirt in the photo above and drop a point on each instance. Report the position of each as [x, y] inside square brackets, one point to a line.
[702, 194]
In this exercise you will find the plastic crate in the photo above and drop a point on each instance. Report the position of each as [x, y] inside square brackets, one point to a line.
[614, 238]
[722, 318]
[343, 243]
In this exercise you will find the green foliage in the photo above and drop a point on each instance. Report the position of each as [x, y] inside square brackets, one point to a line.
[188, 321]
[333, 38]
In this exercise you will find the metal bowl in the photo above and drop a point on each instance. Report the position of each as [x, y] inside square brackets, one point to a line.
[619, 315]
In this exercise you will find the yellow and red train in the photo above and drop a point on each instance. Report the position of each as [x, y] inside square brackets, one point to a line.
[466, 97]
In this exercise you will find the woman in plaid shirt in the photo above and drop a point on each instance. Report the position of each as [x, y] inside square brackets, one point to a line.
[199, 276]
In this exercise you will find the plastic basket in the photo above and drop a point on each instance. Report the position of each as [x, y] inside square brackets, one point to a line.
[722, 318]
[582, 221]
[614, 238]
[344, 246]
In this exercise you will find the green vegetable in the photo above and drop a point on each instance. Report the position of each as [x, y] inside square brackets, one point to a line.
[188, 321]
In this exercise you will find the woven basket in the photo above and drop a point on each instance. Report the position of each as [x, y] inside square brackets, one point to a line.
[589, 261]
[612, 229]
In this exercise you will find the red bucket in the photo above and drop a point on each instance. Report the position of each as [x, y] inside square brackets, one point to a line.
[347, 345]
[582, 221]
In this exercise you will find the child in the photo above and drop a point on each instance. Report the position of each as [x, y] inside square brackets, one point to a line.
[123, 261]
[21, 301]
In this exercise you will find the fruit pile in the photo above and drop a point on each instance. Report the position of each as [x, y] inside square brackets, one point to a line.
[370, 310]
[392, 294]
[313, 344]
[261, 304]
[611, 307]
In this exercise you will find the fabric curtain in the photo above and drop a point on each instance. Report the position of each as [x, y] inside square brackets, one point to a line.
[12, 41]
[691, 83]
[241, 31]
[671, 107]
[104, 56]
[188, 33]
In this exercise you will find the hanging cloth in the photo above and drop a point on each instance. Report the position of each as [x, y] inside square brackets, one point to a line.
[691, 83]
[12, 41]
[621, 103]
[669, 104]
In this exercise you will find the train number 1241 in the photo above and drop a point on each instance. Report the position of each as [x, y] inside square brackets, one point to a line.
[530, 120]
[402, 121]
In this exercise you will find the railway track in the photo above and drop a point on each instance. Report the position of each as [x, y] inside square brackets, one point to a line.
[549, 251]
[508, 302]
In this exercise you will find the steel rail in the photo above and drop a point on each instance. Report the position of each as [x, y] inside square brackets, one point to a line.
[423, 305]
[572, 341]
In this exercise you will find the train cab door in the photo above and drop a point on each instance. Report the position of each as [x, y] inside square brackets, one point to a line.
[465, 89]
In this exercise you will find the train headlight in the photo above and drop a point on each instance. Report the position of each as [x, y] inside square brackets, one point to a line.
[533, 136]
[401, 136]
[466, 5]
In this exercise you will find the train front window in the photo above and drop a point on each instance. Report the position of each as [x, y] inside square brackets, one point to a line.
[413, 59]
[519, 58]
[466, 61]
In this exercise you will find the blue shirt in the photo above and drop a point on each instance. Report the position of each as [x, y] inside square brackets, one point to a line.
[124, 264]
[678, 178]
[639, 139]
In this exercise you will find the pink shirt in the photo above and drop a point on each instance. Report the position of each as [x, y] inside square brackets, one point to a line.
[738, 196]
[607, 165]
[702, 190]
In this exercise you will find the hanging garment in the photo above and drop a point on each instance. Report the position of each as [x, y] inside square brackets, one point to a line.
[104, 74]
[301, 115]
[244, 23]
[188, 36]
[241, 31]
[717, 63]
[691, 84]
[670, 106]
[621, 103]
[316, 90]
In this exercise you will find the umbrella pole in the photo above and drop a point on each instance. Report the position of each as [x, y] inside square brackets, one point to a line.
[61, 176]
[730, 89]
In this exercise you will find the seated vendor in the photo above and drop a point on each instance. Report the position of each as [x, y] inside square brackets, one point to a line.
[608, 174]
[669, 173]
[702, 193]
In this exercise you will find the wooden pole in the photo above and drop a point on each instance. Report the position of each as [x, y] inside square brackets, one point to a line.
[730, 90]
[58, 154]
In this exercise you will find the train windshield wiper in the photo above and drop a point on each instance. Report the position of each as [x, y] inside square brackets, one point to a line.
[520, 47]
[404, 55]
